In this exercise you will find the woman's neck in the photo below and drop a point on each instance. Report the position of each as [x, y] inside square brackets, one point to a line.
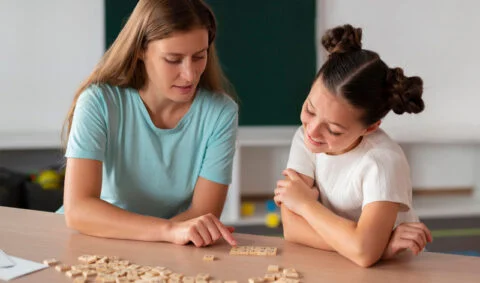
[163, 112]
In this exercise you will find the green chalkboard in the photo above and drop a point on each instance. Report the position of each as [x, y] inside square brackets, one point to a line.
[116, 15]
[266, 48]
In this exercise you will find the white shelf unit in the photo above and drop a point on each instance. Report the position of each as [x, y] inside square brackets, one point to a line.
[261, 155]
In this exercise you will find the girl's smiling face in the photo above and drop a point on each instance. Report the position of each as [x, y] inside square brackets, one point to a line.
[330, 123]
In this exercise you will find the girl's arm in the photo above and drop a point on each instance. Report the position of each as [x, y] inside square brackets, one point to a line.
[297, 230]
[87, 213]
[413, 236]
[363, 242]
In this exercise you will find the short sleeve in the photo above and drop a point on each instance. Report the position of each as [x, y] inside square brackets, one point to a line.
[386, 177]
[88, 134]
[218, 161]
[301, 159]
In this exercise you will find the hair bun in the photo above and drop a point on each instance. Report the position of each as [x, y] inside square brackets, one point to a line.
[406, 92]
[342, 39]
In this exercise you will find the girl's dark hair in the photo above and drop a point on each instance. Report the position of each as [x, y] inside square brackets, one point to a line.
[364, 80]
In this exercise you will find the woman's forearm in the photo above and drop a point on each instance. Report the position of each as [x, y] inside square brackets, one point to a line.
[96, 217]
[190, 214]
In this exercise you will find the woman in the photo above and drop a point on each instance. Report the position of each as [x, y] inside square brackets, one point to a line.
[151, 132]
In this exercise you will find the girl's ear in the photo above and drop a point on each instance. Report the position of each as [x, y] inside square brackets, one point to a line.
[372, 128]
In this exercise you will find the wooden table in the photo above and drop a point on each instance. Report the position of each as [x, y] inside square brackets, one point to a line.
[36, 236]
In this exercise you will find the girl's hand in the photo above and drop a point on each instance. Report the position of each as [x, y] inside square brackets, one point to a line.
[413, 236]
[201, 231]
[294, 193]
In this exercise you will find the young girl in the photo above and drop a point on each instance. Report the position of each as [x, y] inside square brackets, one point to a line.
[151, 132]
[362, 175]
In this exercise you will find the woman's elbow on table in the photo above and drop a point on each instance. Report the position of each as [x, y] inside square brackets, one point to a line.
[75, 216]
[72, 219]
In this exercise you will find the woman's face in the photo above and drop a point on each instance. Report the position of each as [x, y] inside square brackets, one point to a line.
[175, 64]
[331, 124]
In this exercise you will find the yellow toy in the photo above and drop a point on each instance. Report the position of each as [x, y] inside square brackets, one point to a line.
[272, 220]
[49, 180]
[248, 209]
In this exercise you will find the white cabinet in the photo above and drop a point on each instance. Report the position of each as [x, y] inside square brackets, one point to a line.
[261, 155]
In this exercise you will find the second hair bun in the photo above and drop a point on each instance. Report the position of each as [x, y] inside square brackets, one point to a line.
[342, 39]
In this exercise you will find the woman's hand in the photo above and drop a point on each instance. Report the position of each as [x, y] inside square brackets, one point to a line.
[413, 236]
[294, 193]
[201, 231]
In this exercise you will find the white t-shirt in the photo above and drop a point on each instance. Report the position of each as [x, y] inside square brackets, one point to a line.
[375, 170]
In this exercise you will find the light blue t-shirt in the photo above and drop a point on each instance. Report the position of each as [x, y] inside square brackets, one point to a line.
[148, 170]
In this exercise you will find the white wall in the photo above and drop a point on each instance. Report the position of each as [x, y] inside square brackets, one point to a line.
[435, 39]
[47, 48]
[440, 166]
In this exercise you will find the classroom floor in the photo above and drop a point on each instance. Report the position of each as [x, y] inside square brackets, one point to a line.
[454, 235]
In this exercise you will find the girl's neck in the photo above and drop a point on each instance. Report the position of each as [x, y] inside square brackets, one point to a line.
[351, 147]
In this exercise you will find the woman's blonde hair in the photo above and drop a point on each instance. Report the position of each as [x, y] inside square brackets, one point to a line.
[153, 20]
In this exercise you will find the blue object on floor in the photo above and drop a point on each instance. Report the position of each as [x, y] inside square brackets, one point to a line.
[270, 205]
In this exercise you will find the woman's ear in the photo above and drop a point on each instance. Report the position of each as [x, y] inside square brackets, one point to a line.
[373, 127]
[141, 54]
